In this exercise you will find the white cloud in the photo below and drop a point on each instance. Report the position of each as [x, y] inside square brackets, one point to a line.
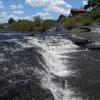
[36, 2]
[13, 16]
[45, 2]
[3, 14]
[16, 7]
[18, 12]
[85, 2]
[18, 17]
[27, 17]
[43, 15]
[58, 9]
[57, 6]
[1, 4]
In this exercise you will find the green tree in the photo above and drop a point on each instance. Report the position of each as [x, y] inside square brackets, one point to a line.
[37, 20]
[92, 4]
[61, 17]
[47, 24]
[11, 20]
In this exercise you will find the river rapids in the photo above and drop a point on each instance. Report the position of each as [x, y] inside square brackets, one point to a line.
[47, 67]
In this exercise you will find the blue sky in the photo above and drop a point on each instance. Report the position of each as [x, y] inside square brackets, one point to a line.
[27, 9]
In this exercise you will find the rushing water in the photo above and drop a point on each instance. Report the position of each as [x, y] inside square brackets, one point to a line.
[48, 67]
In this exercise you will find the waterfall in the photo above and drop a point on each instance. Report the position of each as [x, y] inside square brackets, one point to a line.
[51, 66]
[53, 49]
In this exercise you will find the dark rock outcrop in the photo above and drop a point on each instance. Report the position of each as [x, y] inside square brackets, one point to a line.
[23, 90]
[80, 41]
[85, 28]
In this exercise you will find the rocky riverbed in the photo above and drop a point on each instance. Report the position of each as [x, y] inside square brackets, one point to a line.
[86, 36]
[54, 65]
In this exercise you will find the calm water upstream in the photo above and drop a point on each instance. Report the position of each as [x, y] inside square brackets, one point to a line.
[48, 67]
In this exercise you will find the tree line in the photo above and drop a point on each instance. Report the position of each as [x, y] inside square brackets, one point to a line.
[30, 25]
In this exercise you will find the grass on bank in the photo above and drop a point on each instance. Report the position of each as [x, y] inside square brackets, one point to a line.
[83, 20]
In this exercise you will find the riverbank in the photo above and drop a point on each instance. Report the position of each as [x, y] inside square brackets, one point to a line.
[83, 30]
[87, 19]
[87, 37]
[90, 19]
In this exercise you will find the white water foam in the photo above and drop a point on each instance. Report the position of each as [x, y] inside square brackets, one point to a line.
[51, 54]
[2, 58]
[52, 49]
[95, 30]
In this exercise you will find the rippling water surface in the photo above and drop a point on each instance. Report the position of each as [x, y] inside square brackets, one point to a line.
[47, 67]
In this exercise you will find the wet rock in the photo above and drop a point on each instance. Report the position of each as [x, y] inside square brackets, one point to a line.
[4, 85]
[85, 28]
[82, 29]
[93, 46]
[81, 41]
[58, 29]
[23, 90]
[20, 81]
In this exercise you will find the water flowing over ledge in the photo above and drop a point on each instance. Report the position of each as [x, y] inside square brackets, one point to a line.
[53, 50]
[48, 67]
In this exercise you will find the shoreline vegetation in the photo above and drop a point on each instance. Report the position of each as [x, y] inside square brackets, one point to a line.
[70, 22]
[91, 17]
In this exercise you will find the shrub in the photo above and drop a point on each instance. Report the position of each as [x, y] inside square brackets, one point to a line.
[46, 24]
[61, 17]
[85, 21]
[37, 20]
[24, 25]
[11, 20]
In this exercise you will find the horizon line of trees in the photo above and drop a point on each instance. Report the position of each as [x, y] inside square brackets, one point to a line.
[36, 19]
[30, 25]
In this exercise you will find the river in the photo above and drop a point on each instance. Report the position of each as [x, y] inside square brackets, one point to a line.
[47, 67]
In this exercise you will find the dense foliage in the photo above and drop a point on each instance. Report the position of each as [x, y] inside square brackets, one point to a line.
[1, 26]
[11, 20]
[46, 24]
[92, 4]
[24, 25]
[37, 20]
[36, 25]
